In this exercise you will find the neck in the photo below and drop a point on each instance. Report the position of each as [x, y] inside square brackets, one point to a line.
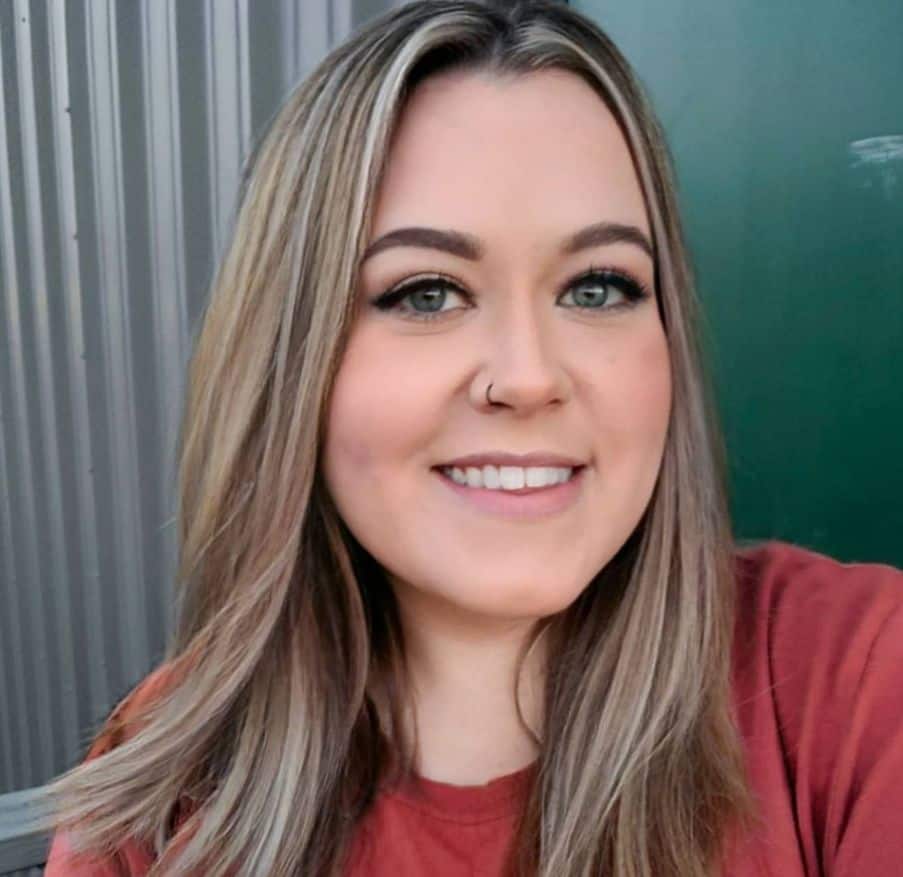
[463, 671]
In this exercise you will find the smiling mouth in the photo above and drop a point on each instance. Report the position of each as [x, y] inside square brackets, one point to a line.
[524, 504]
[571, 473]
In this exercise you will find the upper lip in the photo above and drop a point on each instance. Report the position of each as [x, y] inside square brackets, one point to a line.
[502, 458]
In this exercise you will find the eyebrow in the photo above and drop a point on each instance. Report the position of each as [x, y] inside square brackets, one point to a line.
[468, 247]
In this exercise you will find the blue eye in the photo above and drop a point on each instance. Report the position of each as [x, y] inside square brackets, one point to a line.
[593, 288]
[429, 292]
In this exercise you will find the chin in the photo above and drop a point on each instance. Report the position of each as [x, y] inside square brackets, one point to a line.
[523, 607]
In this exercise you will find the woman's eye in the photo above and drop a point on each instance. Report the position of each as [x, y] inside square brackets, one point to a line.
[593, 290]
[430, 293]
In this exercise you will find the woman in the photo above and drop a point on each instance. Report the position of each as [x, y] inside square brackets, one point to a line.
[459, 590]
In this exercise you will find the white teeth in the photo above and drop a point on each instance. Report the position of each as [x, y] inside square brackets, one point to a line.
[508, 477]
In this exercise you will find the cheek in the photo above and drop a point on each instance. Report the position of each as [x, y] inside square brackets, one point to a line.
[652, 406]
[633, 407]
[650, 385]
[376, 422]
[349, 448]
[354, 450]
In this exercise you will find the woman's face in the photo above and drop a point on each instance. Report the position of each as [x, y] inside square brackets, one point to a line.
[518, 166]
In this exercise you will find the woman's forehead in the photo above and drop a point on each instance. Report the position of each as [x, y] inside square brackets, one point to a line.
[474, 148]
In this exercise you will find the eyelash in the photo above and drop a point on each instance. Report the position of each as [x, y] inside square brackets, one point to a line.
[633, 290]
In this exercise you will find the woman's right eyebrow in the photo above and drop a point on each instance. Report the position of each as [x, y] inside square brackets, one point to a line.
[467, 246]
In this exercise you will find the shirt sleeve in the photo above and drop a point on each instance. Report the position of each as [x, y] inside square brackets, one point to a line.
[131, 860]
[864, 824]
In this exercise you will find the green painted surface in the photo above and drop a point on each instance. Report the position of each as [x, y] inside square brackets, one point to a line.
[794, 214]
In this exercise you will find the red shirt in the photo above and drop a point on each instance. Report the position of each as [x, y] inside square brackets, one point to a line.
[818, 689]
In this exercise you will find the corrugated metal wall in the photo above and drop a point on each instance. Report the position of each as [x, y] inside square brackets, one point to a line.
[123, 128]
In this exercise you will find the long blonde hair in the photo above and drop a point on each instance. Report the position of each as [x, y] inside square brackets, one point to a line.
[287, 628]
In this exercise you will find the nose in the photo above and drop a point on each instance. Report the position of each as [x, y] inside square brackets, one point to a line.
[524, 363]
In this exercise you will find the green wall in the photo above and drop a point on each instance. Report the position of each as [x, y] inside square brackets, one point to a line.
[794, 213]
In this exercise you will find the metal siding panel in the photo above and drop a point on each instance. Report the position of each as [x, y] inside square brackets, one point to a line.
[306, 38]
[194, 135]
[228, 106]
[342, 20]
[10, 662]
[18, 758]
[108, 240]
[161, 80]
[93, 682]
[128, 590]
[23, 524]
[21, 846]
[53, 705]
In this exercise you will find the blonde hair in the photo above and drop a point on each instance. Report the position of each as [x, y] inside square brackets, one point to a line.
[287, 628]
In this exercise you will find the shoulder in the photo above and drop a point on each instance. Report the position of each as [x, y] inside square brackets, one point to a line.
[125, 718]
[808, 603]
[819, 648]
[787, 570]
[123, 722]
[819, 623]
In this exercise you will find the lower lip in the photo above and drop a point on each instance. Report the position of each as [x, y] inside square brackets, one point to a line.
[529, 502]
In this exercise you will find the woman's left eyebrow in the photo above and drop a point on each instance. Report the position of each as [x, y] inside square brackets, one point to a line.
[601, 234]
[467, 246]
